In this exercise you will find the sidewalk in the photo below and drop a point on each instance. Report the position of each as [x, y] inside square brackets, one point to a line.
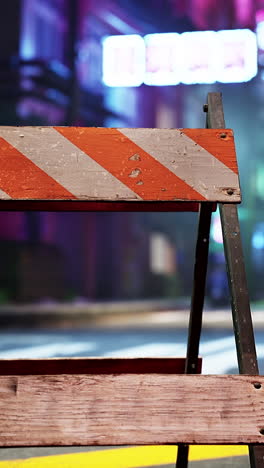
[141, 313]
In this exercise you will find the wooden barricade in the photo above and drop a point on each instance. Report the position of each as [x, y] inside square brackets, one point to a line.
[134, 401]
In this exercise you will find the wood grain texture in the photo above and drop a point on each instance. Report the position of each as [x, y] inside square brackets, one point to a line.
[94, 366]
[130, 409]
[132, 165]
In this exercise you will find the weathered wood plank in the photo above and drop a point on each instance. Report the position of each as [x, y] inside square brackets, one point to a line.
[93, 366]
[102, 164]
[130, 409]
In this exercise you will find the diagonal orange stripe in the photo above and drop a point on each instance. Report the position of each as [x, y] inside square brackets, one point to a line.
[213, 142]
[130, 164]
[20, 178]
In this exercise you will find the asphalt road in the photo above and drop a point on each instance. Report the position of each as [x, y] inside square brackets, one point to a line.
[217, 346]
[217, 349]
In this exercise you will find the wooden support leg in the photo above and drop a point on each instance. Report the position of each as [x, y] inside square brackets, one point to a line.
[242, 320]
[244, 335]
[182, 456]
[195, 324]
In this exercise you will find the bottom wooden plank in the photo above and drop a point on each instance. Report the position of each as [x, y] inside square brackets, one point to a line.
[128, 409]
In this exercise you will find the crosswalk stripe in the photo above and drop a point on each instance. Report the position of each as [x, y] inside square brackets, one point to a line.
[150, 350]
[48, 350]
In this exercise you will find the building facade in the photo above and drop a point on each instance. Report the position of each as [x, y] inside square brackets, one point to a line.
[50, 74]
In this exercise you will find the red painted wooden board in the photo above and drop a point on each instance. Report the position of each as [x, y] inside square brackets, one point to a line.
[118, 165]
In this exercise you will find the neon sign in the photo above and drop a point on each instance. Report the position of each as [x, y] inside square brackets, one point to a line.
[200, 57]
[228, 56]
[123, 60]
[238, 56]
[162, 59]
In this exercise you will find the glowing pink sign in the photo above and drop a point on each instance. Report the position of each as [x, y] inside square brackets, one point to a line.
[123, 60]
[237, 55]
[200, 58]
[163, 53]
[189, 58]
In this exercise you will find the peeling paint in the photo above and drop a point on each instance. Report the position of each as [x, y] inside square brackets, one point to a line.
[135, 173]
[135, 157]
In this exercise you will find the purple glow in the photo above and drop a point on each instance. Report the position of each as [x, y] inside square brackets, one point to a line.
[27, 43]
[244, 12]
[13, 226]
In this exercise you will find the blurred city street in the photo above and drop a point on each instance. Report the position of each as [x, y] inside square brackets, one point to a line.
[111, 165]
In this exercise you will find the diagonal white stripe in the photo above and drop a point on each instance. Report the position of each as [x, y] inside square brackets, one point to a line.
[66, 163]
[4, 196]
[190, 162]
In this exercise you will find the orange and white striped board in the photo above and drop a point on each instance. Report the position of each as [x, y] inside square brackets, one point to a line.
[124, 165]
